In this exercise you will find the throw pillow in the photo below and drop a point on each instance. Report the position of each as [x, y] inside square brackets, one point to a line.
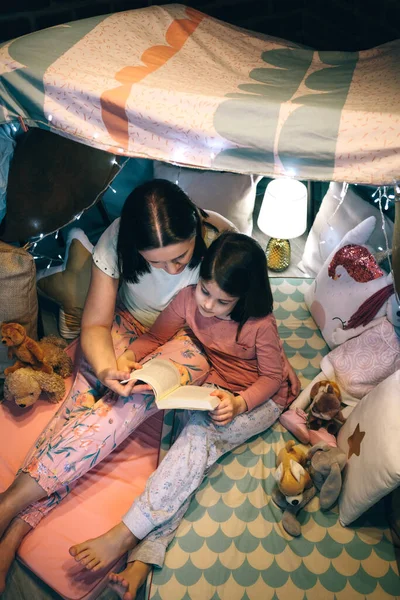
[231, 194]
[349, 277]
[324, 237]
[18, 297]
[68, 284]
[370, 438]
[361, 363]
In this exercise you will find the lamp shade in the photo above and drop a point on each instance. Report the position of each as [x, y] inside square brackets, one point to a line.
[283, 212]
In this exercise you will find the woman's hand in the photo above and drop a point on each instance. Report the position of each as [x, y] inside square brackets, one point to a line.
[294, 381]
[127, 362]
[229, 407]
[112, 378]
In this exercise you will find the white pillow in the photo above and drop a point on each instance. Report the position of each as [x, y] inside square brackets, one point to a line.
[333, 301]
[351, 212]
[373, 467]
[230, 194]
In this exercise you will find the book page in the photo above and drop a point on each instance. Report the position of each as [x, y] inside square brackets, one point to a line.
[160, 374]
[190, 397]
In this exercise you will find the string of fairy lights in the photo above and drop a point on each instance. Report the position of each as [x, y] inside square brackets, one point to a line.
[59, 259]
[382, 196]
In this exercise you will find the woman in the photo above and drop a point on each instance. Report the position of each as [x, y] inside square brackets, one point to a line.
[145, 258]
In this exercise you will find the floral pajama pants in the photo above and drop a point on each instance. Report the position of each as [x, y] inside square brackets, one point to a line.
[156, 514]
[92, 421]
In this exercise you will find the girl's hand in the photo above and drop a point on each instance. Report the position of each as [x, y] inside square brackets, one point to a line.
[294, 382]
[229, 407]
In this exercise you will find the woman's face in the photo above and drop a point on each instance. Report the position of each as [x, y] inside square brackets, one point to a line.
[173, 259]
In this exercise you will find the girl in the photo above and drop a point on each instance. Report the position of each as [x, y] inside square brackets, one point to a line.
[146, 257]
[230, 312]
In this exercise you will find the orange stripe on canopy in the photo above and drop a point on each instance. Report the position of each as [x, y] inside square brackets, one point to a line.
[113, 101]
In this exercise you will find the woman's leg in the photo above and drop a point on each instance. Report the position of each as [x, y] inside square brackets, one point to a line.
[164, 501]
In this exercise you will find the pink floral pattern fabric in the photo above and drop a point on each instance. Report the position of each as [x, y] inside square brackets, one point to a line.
[93, 421]
[363, 362]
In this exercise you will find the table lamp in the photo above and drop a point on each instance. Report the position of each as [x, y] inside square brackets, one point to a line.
[283, 216]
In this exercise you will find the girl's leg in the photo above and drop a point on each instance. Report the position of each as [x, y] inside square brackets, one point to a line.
[164, 501]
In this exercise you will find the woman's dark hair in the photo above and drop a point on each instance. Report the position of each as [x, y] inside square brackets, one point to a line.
[238, 265]
[156, 214]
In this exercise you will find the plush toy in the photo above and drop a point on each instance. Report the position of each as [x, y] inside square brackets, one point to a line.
[295, 487]
[25, 385]
[325, 409]
[326, 465]
[290, 512]
[291, 476]
[47, 355]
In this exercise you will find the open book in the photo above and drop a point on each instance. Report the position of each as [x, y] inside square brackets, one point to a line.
[164, 378]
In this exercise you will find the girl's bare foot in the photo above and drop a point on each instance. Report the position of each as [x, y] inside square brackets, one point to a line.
[127, 583]
[9, 546]
[103, 551]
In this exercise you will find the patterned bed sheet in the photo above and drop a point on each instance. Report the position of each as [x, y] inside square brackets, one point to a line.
[231, 544]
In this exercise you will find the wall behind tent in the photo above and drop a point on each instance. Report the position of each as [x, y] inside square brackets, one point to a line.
[330, 25]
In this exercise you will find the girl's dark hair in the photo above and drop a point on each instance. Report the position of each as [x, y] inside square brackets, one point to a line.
[238, 265]
[156, 214]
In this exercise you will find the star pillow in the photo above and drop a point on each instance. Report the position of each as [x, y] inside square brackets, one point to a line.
[350, 290]
[68, 284]
[370, 437]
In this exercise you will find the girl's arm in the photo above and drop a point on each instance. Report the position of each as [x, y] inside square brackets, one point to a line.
[96, 340]
[271, 365]
[167, 324]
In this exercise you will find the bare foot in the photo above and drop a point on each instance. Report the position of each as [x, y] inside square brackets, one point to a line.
[9, 546]
[103, 551]
[127, 583]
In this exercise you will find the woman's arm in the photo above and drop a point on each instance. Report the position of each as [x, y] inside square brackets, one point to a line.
[96, 340]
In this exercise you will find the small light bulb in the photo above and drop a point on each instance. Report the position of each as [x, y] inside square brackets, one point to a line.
[50, 118]
[112, 189]
[121, 150]
[177, 181]
[380, 248]
[95, 135]
[48, 266]
[59, 256]
[56, 235]
[212, 155]
[41, 236]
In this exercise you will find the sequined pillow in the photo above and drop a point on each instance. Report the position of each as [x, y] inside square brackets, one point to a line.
[351, 290]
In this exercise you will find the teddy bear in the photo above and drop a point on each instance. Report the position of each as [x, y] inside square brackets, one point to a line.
[47, 355]
[295, 488]
[325, 466]
[25, 385]
[321, 420]
[325, 409]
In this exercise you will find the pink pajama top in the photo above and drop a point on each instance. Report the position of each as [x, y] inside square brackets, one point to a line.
[254, 366]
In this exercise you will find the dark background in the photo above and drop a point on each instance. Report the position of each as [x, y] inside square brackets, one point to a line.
[322, 24]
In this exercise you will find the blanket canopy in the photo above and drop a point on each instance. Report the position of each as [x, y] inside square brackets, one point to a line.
[172, 84]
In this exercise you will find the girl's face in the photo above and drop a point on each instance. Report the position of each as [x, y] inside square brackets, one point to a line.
[212, 301]
[173, 259]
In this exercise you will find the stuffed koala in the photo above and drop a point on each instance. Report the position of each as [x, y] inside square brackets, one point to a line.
[325, 466]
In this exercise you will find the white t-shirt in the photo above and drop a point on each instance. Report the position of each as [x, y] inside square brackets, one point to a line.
[155, 290]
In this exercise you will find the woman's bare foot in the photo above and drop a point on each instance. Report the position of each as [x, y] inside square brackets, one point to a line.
[103, 551]
[9, 546]
[127, 583]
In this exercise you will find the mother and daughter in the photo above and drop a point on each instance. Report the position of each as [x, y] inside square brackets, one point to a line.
[206, 297]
